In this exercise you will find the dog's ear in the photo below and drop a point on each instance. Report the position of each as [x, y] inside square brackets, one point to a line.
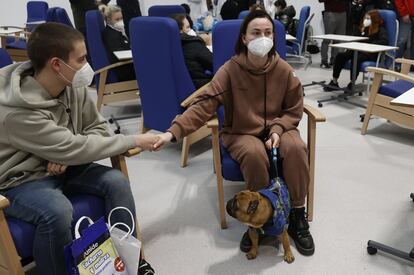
[252, 206]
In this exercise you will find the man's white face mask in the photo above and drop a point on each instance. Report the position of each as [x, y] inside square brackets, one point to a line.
[260, 46]
[82, 78]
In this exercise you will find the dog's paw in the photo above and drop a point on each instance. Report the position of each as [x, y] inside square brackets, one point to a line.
[289, 258]
[251, 255]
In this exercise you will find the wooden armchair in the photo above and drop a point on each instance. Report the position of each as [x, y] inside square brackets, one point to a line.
[381, 95]
[11, 263]
[219, 155]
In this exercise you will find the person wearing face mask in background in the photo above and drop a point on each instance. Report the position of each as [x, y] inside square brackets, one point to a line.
[285, 14]
[115, 39]
[263, 104]
[50, 134]
[198, 58]
[372, 26]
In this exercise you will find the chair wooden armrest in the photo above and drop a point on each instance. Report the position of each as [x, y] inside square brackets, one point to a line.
[112, 66]
[213, 123]
[314, 114]
[404, 61]
[3, 202]
[397, 75]
[186, 102]
[132, 152]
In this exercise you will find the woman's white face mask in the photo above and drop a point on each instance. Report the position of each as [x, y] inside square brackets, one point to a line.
[367, 22]
[191, 32]
[119, 26]
[260, 46]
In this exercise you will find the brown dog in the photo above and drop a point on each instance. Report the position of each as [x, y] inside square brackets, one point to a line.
[255, 210]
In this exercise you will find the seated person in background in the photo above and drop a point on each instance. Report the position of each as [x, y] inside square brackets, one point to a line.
[372, 26]
[285, 15]
[51, 133]
[115, 39]
[187, 14]
[198, 57]
[263, 105]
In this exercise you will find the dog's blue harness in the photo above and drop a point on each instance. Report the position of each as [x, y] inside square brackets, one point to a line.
[278, 195]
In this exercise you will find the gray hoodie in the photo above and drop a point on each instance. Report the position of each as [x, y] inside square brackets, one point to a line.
[36, 129]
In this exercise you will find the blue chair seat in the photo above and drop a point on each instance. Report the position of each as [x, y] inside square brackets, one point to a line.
[229, 167]
[395, 88]
[23, 232]
[19, 44]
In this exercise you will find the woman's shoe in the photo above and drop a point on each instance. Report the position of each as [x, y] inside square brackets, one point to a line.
[330, 86]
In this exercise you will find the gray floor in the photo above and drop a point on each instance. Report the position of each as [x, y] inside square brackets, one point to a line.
[362, 189]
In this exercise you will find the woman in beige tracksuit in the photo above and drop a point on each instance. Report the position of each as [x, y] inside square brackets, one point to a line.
[263, 103]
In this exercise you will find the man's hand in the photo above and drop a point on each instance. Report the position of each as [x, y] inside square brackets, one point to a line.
[273, 141]
[146, 141]
[55, 169]
[406, 19]
[163, 139]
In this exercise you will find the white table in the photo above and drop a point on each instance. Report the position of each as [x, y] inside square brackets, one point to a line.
[339, 37]
[123, 55]
[290, 37]
[406, 99]
[363, 47]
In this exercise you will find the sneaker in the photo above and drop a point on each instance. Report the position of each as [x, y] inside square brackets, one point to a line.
[332, 84]
[299, 231]
[246, 243]
[145, 268]
[325, 65]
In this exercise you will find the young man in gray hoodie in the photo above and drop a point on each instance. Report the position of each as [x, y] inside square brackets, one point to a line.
[50, 133]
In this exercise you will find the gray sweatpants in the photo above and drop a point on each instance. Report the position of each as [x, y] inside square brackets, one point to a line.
[335, 23]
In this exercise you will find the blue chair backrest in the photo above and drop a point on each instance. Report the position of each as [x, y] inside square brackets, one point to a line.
[300, 32]
[97, 49]
[165, 10]
[243, 14]
[162, 75]
[225, 36]
[391, 25]
[36, 11]
[51, 14]
[62, 17]
[5, 58]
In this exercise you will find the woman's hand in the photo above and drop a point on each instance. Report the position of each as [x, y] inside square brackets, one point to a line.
[273, 141]
[162, 140]
[55, 169]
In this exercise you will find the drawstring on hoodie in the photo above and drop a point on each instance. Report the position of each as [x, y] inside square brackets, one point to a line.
[68, 111]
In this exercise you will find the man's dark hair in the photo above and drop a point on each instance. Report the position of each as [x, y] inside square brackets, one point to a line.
[280, 3]
[258, 13]
[51, 40]
[187, 8]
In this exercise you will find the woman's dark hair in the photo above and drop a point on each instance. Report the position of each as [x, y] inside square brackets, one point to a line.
[179, 18]
[187, 8]
[258, 13]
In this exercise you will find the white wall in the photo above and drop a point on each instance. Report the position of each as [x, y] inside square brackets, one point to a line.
[14, 12]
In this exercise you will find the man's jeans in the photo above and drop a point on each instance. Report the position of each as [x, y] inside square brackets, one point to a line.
[404, 33]
[43, 202]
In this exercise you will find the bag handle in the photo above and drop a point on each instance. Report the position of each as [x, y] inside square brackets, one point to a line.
[125, 225]
[77, 234]
[126, 209]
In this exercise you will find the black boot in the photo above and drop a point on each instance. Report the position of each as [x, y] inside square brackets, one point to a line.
[299, 231]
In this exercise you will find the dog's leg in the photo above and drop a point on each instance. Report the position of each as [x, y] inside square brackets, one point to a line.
[254, 237]
[288, 255]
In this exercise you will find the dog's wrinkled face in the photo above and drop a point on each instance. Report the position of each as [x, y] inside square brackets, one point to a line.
[250, 208]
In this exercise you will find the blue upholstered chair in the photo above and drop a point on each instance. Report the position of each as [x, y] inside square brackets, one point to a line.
[224, 39]
[108, 86]
[16, 236]
[62, 17]
[165, 10]
[5, 58]
[165, 83]
[51, 14]
[381, 95]
[243, 14]
[36, 13]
